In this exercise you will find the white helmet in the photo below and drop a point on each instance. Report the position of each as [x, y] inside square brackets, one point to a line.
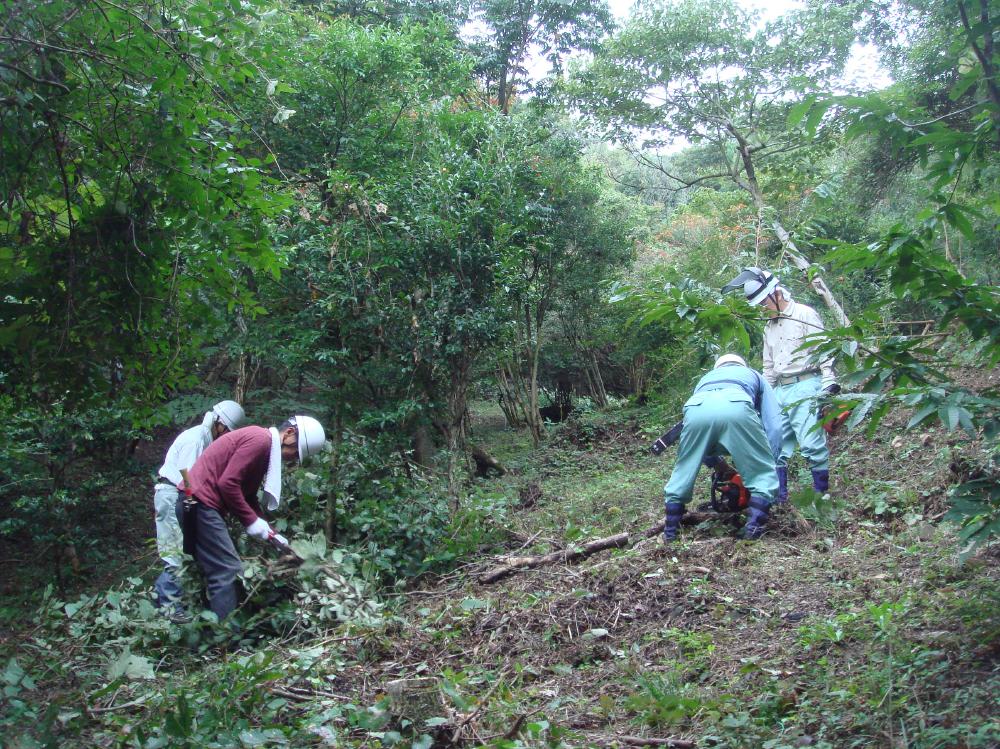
[757, 284]
[729, 359]
[311, 436]
[230, 413]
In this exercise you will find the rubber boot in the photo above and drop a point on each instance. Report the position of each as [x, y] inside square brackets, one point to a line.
[757, 515]
[821, 481]
[675, 511]
[782, 485]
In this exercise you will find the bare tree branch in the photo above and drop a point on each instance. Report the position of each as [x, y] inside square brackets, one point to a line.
[30, 77]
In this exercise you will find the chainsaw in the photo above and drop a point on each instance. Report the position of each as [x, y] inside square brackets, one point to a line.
[831, 422]
[729, 494]
[831, 413]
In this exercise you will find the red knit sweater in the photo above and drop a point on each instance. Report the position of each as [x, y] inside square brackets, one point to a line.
[230, 471]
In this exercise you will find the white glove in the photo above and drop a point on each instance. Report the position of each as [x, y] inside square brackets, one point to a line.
[259, 529]
[280, 539]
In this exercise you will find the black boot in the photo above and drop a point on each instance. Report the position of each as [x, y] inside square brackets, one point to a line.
[756, 519]
[821, 481]
[675, 511]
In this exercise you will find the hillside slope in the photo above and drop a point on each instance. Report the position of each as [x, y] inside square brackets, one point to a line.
[857, 628]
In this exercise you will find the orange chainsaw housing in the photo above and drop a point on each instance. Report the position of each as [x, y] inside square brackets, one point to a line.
[836, 422]
[729, 495]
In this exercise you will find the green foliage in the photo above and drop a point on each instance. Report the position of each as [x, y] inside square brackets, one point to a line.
[680, 47]
[891, 500]
[397, 519]
[512, 29]
[691, 313]
[974, 507]
[134, 192]
[241, 714]
[660, 701]
[50, 484]
[822, 509]
[956, 152]
[329, 587]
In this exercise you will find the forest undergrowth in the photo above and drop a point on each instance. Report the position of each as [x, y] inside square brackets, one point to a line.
[852, 624]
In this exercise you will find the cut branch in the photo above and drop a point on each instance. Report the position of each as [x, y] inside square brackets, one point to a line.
[510, 565]
[601, 740]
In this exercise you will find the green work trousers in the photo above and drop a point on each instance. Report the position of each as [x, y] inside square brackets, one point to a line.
[723, 421]
[799, 409]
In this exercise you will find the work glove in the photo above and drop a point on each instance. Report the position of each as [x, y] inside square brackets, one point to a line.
[259, 529]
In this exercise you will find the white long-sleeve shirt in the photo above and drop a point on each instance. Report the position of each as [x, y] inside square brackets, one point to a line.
[785, 333]
[184, 451]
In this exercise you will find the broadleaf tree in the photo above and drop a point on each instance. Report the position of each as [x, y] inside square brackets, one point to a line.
[709, 73]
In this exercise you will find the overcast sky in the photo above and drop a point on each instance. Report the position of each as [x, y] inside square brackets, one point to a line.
[862, 69]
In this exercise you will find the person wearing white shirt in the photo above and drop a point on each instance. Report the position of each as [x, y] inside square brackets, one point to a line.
[798, 377]
[184, 451]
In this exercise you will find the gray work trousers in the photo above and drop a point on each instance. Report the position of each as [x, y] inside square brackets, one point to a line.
[216, 556]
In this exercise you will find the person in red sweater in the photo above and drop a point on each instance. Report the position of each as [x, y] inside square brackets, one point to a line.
[226, 479]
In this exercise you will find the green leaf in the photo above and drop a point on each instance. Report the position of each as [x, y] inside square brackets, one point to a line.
[922, 414]
[816, 116]
[948, 414]
[131, 666]
[798, 111]
[424, 741]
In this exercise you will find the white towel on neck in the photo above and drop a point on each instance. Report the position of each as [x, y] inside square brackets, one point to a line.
[272, 479]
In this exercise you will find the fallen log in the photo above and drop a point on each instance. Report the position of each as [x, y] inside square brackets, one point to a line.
[510, 565]
[652, 741]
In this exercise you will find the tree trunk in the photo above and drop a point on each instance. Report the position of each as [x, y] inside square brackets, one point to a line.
[510, 401]
[218, 369]
[503, 102]
[804, 265]
[753, 187]
[637, 374]
[423, 445]
[454, 427]
[600, 393]
[534, 418]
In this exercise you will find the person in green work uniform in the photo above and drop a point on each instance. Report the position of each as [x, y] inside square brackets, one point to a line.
[732, 410]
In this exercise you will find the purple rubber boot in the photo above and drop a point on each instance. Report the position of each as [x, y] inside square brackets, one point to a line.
[782, 485]
[757, 515]
[821, 481]
[675, 511]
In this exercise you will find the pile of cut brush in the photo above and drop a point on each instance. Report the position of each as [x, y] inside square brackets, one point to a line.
[320, 587]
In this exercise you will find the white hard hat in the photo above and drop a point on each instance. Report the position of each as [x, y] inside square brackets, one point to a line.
[310, 435]
[757, 284]
[730, 359]
[759, 289]
[230, 413]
